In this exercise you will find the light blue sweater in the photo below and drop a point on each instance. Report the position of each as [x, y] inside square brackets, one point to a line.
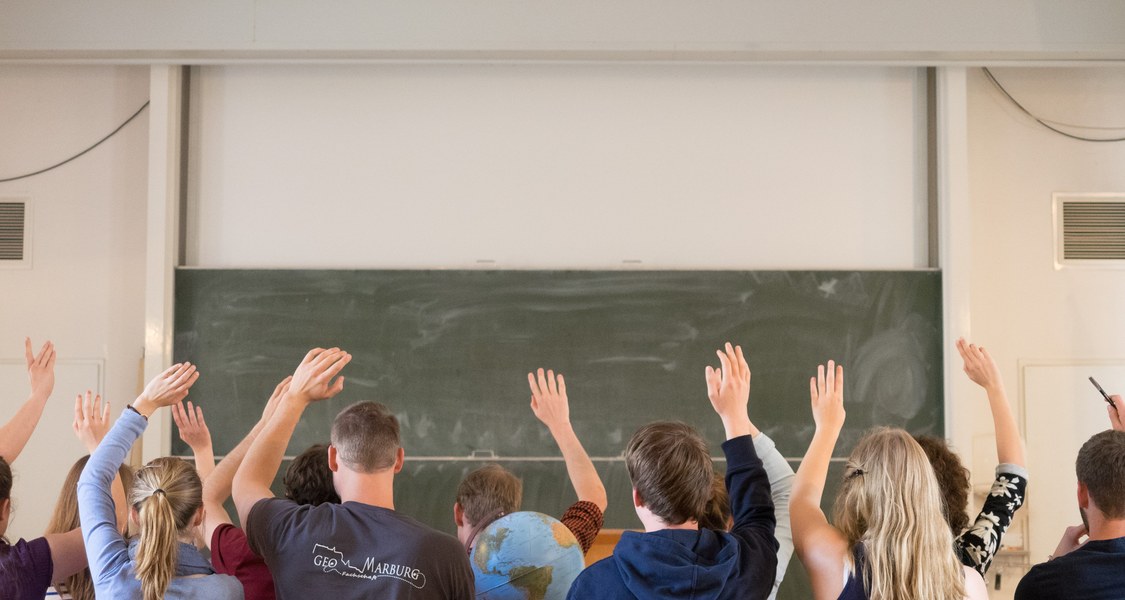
[111, 563]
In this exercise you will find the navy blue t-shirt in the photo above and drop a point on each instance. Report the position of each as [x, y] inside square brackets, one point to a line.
[1096, 571]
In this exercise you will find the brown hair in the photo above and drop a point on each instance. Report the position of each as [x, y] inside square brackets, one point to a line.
[1101, 468]
[889, 502]
[167, 494]
[65, 518]
[488, 492]
[717, 513]
[308, 480]
[366, 437]
[670, 467]
[952, 478]
[5, 488]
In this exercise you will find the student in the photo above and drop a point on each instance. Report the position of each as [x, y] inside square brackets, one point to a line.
[718, 516]
[308, 480]
[670, 469]
[492, 491]
[977, 545]
[1091, 570]
[166, 503]
[362, 548]
[27, 568]
[889, 540]
[91, 423]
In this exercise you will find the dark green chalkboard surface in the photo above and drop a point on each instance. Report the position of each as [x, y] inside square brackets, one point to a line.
[449, 352]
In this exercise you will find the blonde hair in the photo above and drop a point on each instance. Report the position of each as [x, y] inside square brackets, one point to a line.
[890, 503]
[166, 493]
[65, 518]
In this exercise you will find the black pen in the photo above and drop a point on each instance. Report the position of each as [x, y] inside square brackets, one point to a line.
[1104, 395]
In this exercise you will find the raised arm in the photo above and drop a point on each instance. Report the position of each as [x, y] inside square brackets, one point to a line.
[820, 546]
[982, 370]
[194, 433]
[550, 405]
[312, 381]
[217, 486]
[752, 509]
[41, 372]
[105, 547]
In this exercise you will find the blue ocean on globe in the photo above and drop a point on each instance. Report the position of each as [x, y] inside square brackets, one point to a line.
[526, 556]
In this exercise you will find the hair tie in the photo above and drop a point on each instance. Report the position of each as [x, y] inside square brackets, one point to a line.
[159, 491]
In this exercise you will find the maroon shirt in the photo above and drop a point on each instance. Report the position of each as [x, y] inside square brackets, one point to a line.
[27, 567]
[231, 555]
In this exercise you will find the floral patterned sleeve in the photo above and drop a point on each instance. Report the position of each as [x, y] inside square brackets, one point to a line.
[977, 546]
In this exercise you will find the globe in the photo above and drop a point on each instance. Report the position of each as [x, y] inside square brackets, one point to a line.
[525, 556]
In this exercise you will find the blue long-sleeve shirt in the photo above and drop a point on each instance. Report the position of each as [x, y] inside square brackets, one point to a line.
[111, 563]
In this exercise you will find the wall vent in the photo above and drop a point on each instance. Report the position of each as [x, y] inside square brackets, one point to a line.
[1089, 230]
[15, 247]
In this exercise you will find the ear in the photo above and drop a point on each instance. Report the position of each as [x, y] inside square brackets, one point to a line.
[1083, 496]
[458, 514]
[638, 502]
[134, 517]
[400, 458]
[333, 459]
[198, 520]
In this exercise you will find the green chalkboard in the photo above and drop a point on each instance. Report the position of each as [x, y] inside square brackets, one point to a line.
[449, 351]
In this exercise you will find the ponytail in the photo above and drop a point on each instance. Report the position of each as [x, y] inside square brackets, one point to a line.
[166, 493]
[159, 542]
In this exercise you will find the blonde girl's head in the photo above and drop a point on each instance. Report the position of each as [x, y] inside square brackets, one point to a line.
[167, 497]
[890, 503]
[65, 518]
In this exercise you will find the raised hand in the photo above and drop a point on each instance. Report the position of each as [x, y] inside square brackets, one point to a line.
[167, 388]
[40, 368]
[548, 399]
[979, 365]
[193, 429]
[312, 381]
[91, 420]
[728, 388]
[827, 391]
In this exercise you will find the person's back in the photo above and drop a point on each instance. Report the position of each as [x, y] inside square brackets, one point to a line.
[1093, 570]
[167, 498]
[361, 548]
[670, 469]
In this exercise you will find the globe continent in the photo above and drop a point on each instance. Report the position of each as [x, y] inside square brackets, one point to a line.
[526, 556]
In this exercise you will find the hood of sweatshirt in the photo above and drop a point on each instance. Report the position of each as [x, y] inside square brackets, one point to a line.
[679, 563]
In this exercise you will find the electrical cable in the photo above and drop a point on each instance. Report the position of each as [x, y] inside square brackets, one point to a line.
[96, 144]
[1043, 122]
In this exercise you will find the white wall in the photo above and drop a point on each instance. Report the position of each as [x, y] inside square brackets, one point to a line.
[85, 289]
[1023, 309]
[557, 166]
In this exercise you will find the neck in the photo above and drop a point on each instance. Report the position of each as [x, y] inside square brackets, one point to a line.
[654, 523]
[375, 489]
[1102, 528]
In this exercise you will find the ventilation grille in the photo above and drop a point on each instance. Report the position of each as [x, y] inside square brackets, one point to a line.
[1089, 230]
[13, 231]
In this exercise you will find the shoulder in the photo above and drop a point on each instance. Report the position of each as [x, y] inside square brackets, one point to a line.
[975, 589]
[597, 576]
[35, 552]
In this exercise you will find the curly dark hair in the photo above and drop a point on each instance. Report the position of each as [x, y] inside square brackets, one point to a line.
[308, 480]
[953, 480]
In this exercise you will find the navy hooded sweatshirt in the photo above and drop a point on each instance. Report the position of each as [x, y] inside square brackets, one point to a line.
[701, 564]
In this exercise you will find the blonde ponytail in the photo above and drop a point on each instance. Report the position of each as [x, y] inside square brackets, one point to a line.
[167, 493]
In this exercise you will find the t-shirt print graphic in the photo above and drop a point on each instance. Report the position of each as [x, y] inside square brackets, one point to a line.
[332, 561]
